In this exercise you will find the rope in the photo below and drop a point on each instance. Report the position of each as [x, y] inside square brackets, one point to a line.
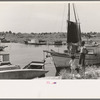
[77, 14]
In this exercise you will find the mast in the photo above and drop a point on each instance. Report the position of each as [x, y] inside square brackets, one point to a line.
[73, 29]
[68, 11]
[68, 45]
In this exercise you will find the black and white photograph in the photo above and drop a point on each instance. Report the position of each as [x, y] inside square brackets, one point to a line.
[55, 40]
[49, 49]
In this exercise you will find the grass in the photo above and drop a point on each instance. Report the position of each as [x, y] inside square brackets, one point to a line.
[91, 72]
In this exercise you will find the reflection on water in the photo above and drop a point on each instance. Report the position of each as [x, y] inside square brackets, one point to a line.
[22, 54]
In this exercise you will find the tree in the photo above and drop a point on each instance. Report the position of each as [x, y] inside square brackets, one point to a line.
[10, 32]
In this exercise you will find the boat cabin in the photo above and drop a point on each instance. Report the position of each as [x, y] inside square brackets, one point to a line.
[38, 65]
[5, 63]
[35, 65]
[4, 59]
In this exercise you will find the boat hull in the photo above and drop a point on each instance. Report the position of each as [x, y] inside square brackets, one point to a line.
[61, 60]
[21, 74]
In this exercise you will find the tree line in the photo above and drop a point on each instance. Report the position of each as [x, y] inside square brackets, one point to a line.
[46, 34]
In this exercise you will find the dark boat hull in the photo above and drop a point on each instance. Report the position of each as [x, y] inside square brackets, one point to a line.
[21, 74]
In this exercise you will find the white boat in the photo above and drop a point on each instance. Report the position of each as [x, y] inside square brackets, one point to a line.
[10, 71]
[35, 42]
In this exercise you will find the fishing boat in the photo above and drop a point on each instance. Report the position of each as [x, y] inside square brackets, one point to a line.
[61, 60]
[57, 42]
[10, 71]
[35, 42]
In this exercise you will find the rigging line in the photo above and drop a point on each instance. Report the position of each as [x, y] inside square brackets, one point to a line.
[68, 11]
[78, 22]
[75, 13]
[62, 18]
[77, 17]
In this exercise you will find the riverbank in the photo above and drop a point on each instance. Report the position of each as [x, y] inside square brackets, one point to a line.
[21, 37]
[54, 36]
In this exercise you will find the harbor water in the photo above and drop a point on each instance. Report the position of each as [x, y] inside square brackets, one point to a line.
[22, 54]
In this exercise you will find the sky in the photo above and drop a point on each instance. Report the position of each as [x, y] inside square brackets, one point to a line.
[38, 17]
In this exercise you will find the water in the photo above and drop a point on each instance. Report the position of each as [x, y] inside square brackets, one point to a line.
[22, 54]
